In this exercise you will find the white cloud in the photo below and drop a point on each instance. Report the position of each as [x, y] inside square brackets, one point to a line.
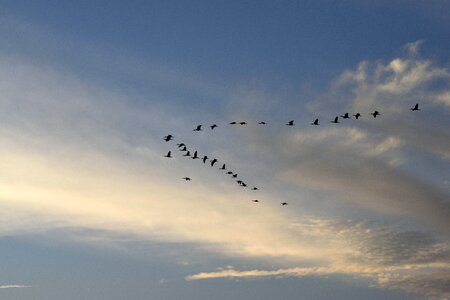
[14, 286]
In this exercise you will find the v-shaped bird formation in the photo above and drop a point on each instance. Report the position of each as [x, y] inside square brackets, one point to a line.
[187, 153]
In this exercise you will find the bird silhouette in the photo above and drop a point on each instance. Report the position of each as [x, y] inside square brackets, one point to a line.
[195, 155]
[345, 116]
[213, 162]
[416, 107]
[223, 167]
[187, 178]
[262, 123]
[181, 145]
[335, 120]
[234, 175]
[255, 188]
[255, 200]
[168, 137]
[168, 155]
[204, 158]
[290, 123]
[357, 115]
[184, 149]
[375, 113]
[316, 122]
[213, 126]
[233, 123]
[284, 203]
[187, 153]
[243, 184]
[239, 182]
[242, 123]
[229, 172]
[198, 128]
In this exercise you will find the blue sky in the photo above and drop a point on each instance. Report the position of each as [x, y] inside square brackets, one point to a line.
[90, 209]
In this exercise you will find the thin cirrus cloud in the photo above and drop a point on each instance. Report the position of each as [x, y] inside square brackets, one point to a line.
[14, 286]
[365, 163]
[75, 154]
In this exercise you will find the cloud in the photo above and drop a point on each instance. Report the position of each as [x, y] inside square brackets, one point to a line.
[409, 260]
[14, 286]
[78, 155]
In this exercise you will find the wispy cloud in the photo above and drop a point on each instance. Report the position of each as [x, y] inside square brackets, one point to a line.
[14, 286]
[79, 155]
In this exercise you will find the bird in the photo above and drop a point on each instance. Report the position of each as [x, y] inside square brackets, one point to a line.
[357, 115]
[239, 182]
[335, 120]
[205, 158]
[284, 203]
[262, 123]
[255, 188]
[229, 172]
[168, 155]
[255, 200]
[187, 178]
[416, 107]
[213, 126]
[242, 123]
[184, 149]
[168, 137]
[234, 175]
[345, 116]
[187, 153]
[181, 145]
[213, 162]
[195, 155]
[223, 167]
[316, 122]
[243, 184]
[290, 123]
[232, 123]
[375, 113]
[198, 128]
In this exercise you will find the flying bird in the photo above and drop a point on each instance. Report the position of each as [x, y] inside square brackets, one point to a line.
[229, 172]
[213, 126]
[262, 123]
[284, 203]
[335, 120]
[239, 182]
[243, 184]
[181, 145]
[187, 178]
[205, 158]
[255, 188]
[223, 167]
[416, 107]
[290, 123]
[184, 149]
[168, 155]
[255, 200]
[242, 123]
[232, 123]
[213, 162]
[234, 175]
[357, 115]
[198, 128]
[187, 153]
[168, 137]
[375, 113]
[316, 122]
[345, 116]
[195, 155]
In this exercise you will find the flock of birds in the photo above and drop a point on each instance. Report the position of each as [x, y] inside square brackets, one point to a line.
[187, 153]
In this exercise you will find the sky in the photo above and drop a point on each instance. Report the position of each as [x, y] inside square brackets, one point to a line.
[91, 209]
